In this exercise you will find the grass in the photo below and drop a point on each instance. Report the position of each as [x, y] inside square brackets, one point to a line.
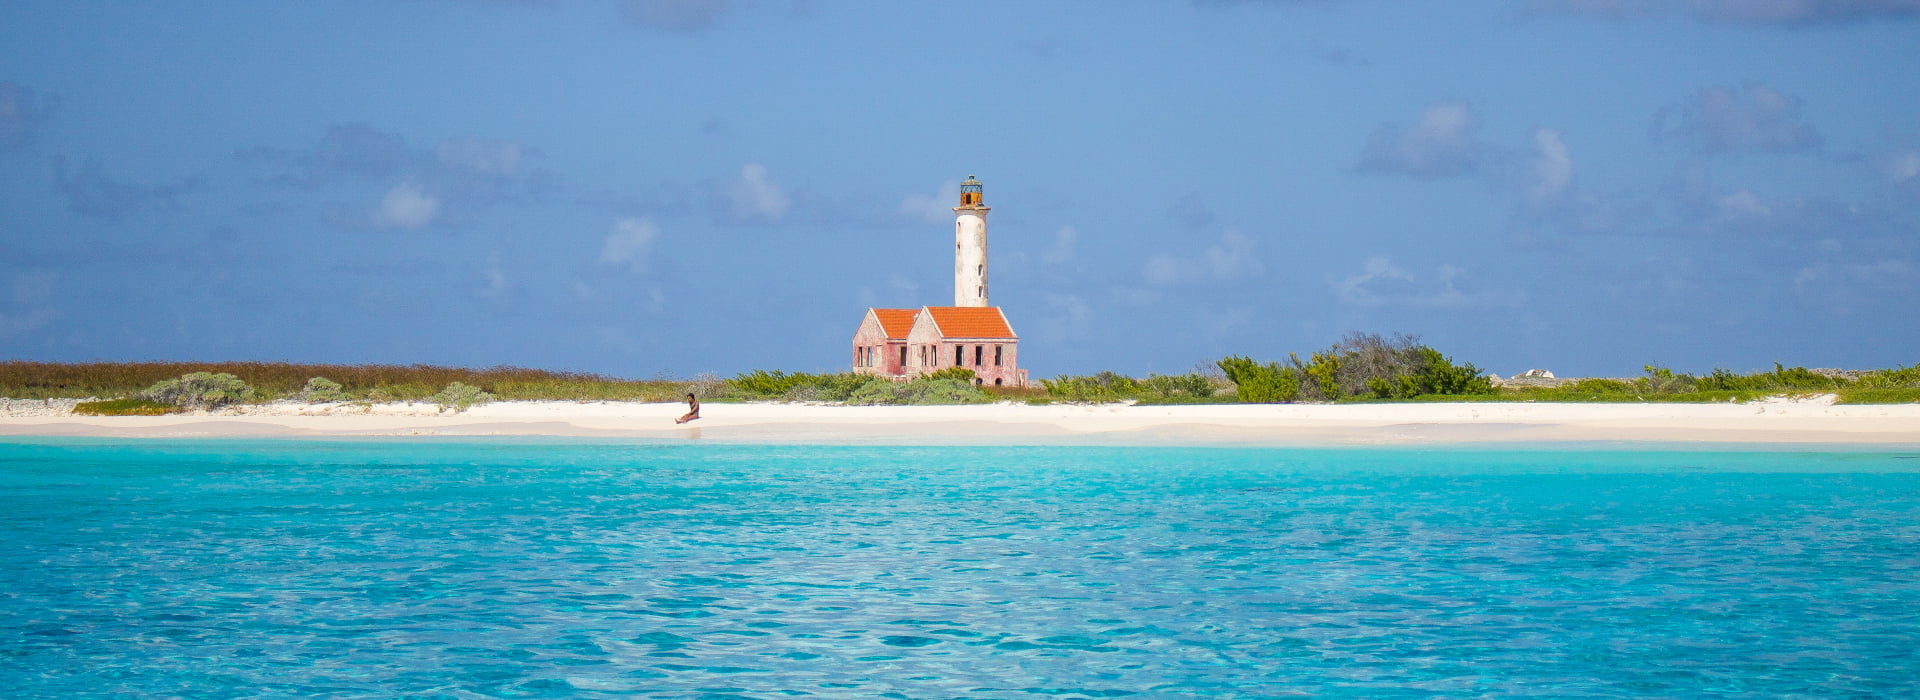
[1869, 396]
[276, 380]
[124, 407]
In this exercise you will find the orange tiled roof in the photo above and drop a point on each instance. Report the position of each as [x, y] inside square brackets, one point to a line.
[895, 322]
[970, 321]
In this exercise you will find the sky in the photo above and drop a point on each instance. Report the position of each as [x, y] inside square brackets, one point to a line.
[663, 188]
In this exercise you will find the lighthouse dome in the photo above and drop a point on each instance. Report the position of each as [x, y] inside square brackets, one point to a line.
[970, 193]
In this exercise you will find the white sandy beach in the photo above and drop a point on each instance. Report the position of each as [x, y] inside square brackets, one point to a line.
[1804, 421]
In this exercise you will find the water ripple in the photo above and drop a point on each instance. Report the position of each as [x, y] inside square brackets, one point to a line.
[555, 569]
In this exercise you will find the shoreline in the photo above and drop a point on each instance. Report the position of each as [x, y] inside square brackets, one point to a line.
[1780, 421]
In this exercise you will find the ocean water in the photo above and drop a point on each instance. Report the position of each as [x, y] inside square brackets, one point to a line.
[550, 568]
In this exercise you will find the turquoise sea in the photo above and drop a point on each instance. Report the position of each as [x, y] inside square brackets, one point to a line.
[561, 568]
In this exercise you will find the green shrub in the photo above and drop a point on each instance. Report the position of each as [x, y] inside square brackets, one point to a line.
[1896, 378]
[199, 390]
[1107, 387]
[1585, 390]
[322, 390]
[795, 386]
[1098, 388]
[1257, 383]
[956, 373]
[1360, 365]
[1322, 375]
[1170, 386]
[1435, 374]
[919, 392]
[829, 387]
[124, 407]
[764, 384]
[460, 397]
[1781, 378]
[1880, 395]
[1660, 380]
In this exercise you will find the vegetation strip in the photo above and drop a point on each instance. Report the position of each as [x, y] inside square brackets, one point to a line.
[1360, 368]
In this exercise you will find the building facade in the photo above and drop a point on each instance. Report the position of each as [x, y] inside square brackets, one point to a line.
[973, 334]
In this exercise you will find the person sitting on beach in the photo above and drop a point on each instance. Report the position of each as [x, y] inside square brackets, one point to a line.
[693, 410]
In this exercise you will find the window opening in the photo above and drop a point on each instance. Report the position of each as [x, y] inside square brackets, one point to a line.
[996, 355]
[903, 355]
[959, 356]
[978, 351]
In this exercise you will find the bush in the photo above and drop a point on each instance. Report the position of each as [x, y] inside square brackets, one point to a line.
[1781, 378]
[1098, 388]
[1361, 364]
[799, 386]
[766, 384]
[322, 390]
[956, 373]
[1257, 383]
[1431, 374]
[1660, 380]
[919, 392]
[460, 397]
[830, 387]
[199, 390]
[1896, 378]
[124, 407]
[1107, 387]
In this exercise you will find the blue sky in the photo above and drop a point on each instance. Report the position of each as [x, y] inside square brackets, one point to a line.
[683, 186]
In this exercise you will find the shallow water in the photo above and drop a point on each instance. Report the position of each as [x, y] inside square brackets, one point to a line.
[547, 568]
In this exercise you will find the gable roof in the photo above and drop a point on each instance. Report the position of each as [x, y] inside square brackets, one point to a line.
[894, 323]
[969, 321]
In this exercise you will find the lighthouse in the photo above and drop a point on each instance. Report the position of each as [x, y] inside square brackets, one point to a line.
[902, 344]
[970, 247]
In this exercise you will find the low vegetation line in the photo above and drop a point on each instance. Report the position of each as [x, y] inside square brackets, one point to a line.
[1360, 367]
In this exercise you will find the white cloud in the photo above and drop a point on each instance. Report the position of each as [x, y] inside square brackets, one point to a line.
[754, 198]
[1233, 257]
[1742, 205]
[1552, 169]
[1902, 168]
[1381, 283]
[630, 243]
[935, 208]
[496, 279]
[406, 206]
[1441, 145]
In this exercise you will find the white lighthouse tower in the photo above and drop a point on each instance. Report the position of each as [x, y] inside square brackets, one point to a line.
[970, 247]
